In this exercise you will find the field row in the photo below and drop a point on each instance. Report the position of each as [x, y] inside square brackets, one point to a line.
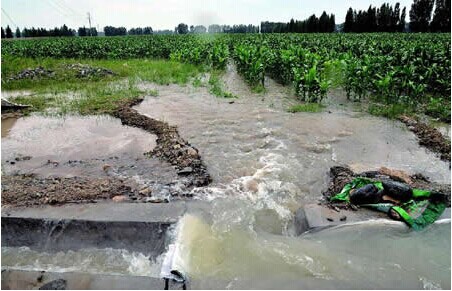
[408, 69]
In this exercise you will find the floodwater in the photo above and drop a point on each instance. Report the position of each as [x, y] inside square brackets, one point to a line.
[265, 164]
[7, 124]
[70, 143]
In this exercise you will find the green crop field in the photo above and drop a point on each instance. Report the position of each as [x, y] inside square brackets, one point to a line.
[404, 70]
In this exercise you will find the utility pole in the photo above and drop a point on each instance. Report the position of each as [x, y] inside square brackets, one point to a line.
[89, 19]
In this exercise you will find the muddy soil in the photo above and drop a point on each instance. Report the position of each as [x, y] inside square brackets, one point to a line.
[429, 137]
[29, 190]
[80, 70]
[341, 175]
[170, 146]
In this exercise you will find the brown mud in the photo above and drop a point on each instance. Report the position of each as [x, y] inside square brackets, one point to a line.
[170, 146]
[429, 137]
[29, 190]
[341, 175]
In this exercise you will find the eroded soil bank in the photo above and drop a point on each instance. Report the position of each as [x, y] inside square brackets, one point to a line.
[429, 137]
[170, 146]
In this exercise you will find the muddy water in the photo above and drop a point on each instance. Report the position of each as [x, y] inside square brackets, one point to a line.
[72, 138]
[7, 124]
[265, 164]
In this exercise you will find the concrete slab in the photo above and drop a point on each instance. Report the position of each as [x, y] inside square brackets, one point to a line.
[317, 217]
[132, 226]
[108, 211]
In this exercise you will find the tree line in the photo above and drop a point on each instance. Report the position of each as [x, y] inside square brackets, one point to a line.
[383, 19]
[325, 23]
[38, 32]
[425, 16]
[183, 28]
[392, 19]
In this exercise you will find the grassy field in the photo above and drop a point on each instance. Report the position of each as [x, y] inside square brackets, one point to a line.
[66, 92]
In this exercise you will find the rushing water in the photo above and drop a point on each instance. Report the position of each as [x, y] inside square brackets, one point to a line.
[265, 164]
[97, 261]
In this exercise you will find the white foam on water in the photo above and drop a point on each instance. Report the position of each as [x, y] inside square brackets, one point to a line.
[98, 261]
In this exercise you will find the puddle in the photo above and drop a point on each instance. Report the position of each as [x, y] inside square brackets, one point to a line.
[69, 142]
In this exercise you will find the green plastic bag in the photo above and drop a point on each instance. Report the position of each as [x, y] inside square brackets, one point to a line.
[356, 183]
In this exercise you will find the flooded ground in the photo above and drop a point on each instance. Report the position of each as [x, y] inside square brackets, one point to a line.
[7, 124]
[74, 145]
[265, 164]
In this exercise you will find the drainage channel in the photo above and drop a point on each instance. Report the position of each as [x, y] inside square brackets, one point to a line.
[92, 246]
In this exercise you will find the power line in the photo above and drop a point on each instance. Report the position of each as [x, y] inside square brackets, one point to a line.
[65, 5]
[56, 8]
[10, 19]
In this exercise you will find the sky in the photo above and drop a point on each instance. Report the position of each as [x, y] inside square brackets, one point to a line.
[166, 14]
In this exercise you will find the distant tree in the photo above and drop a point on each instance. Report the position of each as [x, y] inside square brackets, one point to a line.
[332, 23]
[81, 31]
[323, 22]
[17, 34]
[349, 20]
[9, 33]
[199, 29]
[93, 32]
[147, 30]
[182, 28]
[441, 17]
[165, 31]
[402, 21]
[136, 31]
[215, 28]
[3, 33]
[420, 15]
[112, 31]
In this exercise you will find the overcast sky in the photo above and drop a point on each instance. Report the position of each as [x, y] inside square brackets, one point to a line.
[166, 14]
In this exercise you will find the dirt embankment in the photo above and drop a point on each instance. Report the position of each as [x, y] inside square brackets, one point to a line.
[29, 190]
[341, 175]
[429, 137]
[170, 146]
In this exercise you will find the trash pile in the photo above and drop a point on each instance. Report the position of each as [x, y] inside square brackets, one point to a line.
[29, 73]
[391, 192]
[86, 71]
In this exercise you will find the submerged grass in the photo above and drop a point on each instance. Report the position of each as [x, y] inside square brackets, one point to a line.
[65, 92]
[306, 107]
[216, 87]
[390, 111]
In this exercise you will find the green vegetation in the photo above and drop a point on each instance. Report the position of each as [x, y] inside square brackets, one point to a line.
[398, 70]
[65, 92]
[390, 111]
[216, 88]
[306, 107]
